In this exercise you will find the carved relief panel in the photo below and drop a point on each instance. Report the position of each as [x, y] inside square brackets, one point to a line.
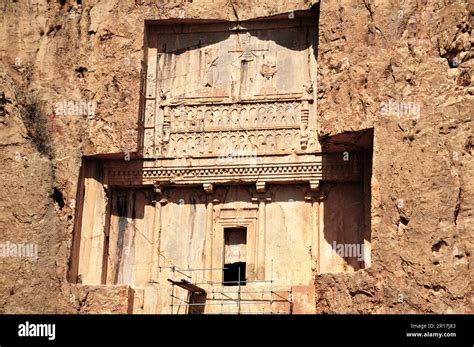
[213, 89]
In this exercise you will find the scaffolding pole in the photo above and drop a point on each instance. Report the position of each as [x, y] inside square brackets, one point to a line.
[222, 297]
[271, 288]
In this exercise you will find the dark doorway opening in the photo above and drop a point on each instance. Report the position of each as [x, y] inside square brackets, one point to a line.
[235, 244]
[233, 273]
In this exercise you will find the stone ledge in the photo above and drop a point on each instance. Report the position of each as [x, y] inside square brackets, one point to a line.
[108, 299]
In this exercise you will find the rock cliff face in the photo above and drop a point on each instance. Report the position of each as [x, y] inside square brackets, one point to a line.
[374, 55]
[404, 70]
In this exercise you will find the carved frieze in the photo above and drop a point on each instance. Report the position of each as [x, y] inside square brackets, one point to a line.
[232, 117]
[303, 172]
[219, 130]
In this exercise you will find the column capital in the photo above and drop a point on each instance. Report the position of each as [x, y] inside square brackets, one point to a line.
[314, 185]
[158, 188]
[261, 186]
[208, 188]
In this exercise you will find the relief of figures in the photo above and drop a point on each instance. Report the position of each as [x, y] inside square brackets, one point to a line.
[227, 143]
[202, 118]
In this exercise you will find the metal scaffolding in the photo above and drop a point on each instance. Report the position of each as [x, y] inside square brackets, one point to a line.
[221, 297]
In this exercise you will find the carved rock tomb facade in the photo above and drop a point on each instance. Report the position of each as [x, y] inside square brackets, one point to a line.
[231, 189]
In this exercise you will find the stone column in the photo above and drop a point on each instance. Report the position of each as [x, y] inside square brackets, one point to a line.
[316, 197]
[315, 215]
[216, 240]
[312, 197]
[209, 233]
[155, 255]
[160, 202]
[321, 198]
[260, 237]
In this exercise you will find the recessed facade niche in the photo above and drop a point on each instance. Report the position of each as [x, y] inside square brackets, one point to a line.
[233, 204]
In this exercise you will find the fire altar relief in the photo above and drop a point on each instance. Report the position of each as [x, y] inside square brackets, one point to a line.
[222, 88]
